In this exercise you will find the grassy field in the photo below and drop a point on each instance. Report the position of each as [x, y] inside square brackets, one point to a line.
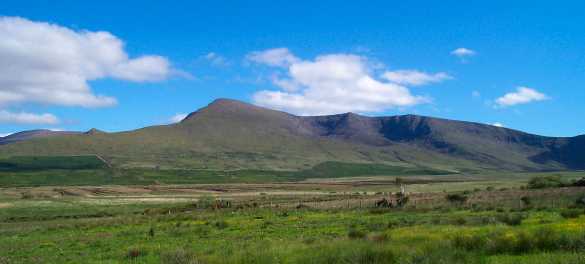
[320, 221]
[90, 170]
[297, 236]
[79, 210]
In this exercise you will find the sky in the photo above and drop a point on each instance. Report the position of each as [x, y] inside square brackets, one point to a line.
[123, 65]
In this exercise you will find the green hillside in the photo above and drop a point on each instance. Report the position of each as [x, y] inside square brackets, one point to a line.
[231, 135]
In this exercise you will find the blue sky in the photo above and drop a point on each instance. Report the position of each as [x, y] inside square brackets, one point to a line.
[524, 67]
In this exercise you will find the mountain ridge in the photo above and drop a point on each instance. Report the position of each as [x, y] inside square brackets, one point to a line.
[230, 134]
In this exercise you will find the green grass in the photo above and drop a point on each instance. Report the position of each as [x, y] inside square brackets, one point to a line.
[77, 229]
[88, 170]
[39, 163]
[333, 169]
[289, 236]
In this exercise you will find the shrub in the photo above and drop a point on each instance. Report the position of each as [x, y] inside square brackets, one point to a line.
[346, 252]
[206, 202]
[552, 181]
[392, 223]
[179, 256]
[460, 220]
[571, 213]
[456, 198]
[526, 200]
[135, 252]
[579, 183]
[378, 237]
[520, 242]
[511, 219]
[468, 242]
[220, 224]
[356, 234]
[580, 201]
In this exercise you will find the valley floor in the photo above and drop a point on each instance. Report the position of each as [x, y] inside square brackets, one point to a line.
[314, 221]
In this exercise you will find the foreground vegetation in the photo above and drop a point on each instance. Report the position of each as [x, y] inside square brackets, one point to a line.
[487, 218]
[76, 232]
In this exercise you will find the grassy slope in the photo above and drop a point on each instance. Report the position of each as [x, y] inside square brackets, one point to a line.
[493, 145]
[224, 136]
[229, 135]
[88, 170]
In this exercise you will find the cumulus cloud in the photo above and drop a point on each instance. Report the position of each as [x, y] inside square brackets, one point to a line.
[414, 77]
[278, 57]
[215, 59]
[333, 83]
[497, 124]
[177, 118]
[522, 95]
[51, 64]
[463, 52]
[6, 134]
[27, 118]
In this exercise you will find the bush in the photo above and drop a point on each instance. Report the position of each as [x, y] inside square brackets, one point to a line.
[511, 219]
[460, 220]
[468, 242]
[356, 234]
[526, 201]
[378, 237]
[552, 181]
[520, 242]
[579, 183]
[347, 252]
[571, 213]
[580, 201]
[179, 256]
[220, 224]
[456, 198]
[136, 252]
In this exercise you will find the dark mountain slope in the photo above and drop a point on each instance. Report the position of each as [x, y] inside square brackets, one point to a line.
[229, 134]
[567, 151]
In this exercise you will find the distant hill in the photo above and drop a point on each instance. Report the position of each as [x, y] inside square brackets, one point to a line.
[229, 134]
[30, 134]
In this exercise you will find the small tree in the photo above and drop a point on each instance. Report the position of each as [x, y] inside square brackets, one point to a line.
[456, 198]
[526, 201]
[552, 181]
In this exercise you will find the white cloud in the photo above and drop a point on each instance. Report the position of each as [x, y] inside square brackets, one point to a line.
[278, 57]
[414, 77]
[497, 124]
[286, 85]
[216, 59]
[463, 52]
[177, 118]
[27, 118]
[5, 134]
[331, 84]
[523, 95]
[50, 64]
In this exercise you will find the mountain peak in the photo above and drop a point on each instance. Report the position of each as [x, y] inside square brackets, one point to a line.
[231, 107]
[226, 101]
[94, 131]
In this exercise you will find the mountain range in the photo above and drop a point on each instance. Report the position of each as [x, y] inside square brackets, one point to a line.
[229, 134]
